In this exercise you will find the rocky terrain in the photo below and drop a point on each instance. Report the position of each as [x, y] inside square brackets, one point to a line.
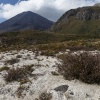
[44, 81]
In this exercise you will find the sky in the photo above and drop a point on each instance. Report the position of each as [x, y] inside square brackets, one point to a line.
[50, 9]
[8, 1]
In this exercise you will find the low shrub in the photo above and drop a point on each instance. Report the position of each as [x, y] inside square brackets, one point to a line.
[84, 66]
[18, 73]
[45, 96]
[55, 73]
[20, 90]
[12, 61]
[48, 53]
[19, 56]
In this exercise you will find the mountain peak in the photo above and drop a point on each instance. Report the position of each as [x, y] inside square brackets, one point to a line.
[26, 20]
[28, 12]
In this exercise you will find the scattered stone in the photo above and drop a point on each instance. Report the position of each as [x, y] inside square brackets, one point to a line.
[62, 88]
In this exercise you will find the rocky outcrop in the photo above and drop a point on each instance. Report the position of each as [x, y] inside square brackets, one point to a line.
[85, 13]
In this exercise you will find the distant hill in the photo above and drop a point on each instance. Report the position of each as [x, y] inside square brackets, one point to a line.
[25, 21]
[83, 20]
[97, 4]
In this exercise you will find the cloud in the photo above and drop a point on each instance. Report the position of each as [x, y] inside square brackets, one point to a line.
[51, 9]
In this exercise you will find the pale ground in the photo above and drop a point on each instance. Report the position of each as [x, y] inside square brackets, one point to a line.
[43, 80]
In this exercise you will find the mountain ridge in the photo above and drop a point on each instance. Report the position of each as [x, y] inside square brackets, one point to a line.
[78, 21]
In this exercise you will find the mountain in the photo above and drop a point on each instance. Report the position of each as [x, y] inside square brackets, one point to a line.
[79, 21]
[25, 21]
[97, 4]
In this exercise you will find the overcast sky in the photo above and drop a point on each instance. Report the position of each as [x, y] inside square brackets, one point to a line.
[51, 9]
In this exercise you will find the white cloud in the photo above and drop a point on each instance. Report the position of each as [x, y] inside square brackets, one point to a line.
[43, 7]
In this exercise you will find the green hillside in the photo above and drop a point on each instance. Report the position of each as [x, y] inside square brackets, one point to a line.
[84, 20]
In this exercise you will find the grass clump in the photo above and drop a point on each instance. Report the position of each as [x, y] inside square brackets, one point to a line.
[18, 74]
[20, 90]
[12, 61]
[48, 53]
[45, 96]
[84, 66]
[19, 56]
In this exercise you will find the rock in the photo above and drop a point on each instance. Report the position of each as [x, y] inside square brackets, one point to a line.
[62, 88]
[69, 94]
[84, 14]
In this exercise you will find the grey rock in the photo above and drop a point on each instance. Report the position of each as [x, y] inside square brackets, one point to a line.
[62, 88]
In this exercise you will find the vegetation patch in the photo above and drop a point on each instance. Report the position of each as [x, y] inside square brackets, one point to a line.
[19, 92]
[45, 96]
[84, 66]
[55, 73]
[12, 61]
[19, 56]
[53, 42]
[4, 68]
[18, 74]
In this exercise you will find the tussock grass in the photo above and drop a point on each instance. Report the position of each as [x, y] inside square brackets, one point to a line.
[45, 96]
[18, 74]
[12, 61]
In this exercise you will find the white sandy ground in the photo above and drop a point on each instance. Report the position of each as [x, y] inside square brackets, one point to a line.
[44, 80]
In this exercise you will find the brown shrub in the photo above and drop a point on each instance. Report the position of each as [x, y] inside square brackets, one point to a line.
[45, 96]
[19, 56]
[20, 90]
[12, 61]
[55, 73]
[18, 73]
[48, 53]
[85, 67]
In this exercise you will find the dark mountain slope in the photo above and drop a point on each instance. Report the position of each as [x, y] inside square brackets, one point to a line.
[79, 21]
[24, 21]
